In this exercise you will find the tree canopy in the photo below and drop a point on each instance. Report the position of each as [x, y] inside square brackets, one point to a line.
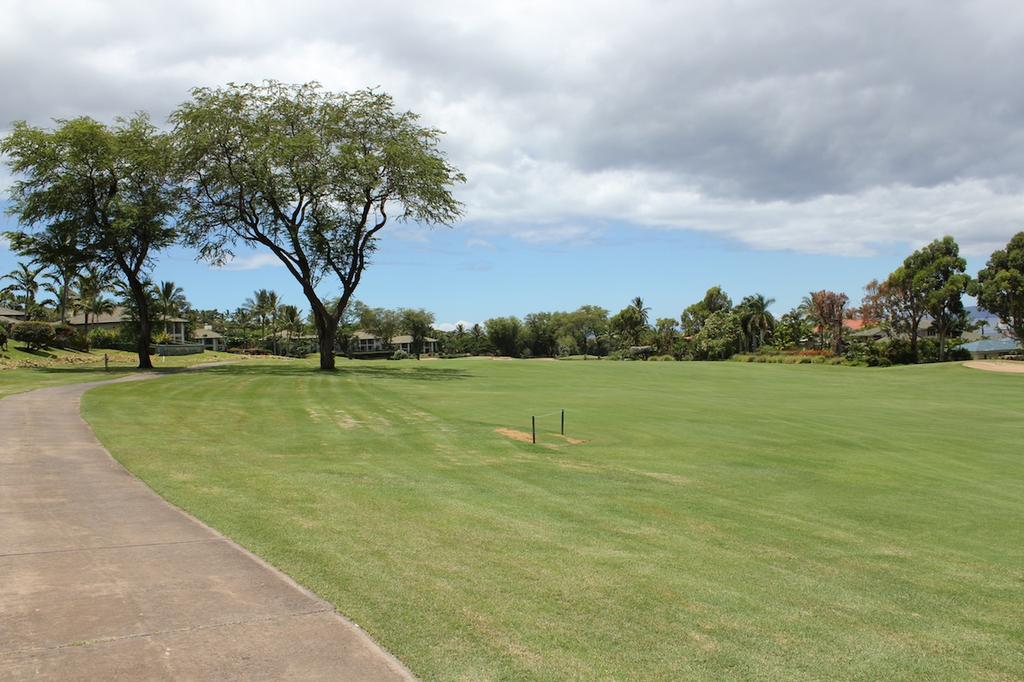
[311, 175]
[110, 186]
[1000, 285]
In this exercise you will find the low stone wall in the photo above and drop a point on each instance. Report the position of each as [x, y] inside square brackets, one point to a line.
[177, 348]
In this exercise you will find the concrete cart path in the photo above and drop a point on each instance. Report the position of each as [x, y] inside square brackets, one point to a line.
[100, 578]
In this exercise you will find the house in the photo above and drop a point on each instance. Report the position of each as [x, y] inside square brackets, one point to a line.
[926, 330]
[365, 342]
[174, 326]
[991, 348]
[11, 316]
[210, 339]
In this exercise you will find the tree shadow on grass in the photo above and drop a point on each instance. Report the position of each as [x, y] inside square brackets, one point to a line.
[294, 369]
[37, 352]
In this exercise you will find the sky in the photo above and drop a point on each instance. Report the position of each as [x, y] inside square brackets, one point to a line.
[612, 149]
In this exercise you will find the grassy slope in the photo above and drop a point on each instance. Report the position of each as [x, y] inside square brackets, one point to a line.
[754, 521]
[21, 370]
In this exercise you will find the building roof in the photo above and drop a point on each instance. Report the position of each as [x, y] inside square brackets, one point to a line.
[11, 312]
[991, 345]
[120, 314]
[206, 334]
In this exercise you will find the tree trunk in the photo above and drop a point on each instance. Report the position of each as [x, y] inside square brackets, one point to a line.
[913, 344]
[145, 331]
[327, 336]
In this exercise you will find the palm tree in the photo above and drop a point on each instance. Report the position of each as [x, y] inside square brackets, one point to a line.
[56, 248]
[89, 298]
[641, 310]
[291, 320]
[756, 320]
[170, 300]
[273, 307]
[24, 278]
[477, 333]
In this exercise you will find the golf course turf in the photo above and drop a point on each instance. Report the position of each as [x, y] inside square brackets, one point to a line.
[720, 520]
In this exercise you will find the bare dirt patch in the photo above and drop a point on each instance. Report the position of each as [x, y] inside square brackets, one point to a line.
[1008, 366]
[520, 436]
[345, 420]
[570, 441]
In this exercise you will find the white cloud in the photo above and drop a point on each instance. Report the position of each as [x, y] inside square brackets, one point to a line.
[253, 261]
[450, 326]
[478, 243]
[781, 125]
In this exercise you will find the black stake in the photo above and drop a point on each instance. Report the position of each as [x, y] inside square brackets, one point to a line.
[563, 422]
[534, 420]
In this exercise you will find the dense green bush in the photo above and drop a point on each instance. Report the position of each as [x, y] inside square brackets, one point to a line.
[66, 336]
[34, 335]
[5, 333]
[720, 337]
[400, 355]
[110, 338]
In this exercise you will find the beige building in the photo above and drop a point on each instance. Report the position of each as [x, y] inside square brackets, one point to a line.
[368, 343]
[174, 326]
[210, 339]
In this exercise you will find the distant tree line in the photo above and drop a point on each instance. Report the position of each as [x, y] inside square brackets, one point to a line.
[928, 286]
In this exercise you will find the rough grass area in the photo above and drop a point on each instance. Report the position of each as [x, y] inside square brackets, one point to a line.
[24, 370]
[722, 520]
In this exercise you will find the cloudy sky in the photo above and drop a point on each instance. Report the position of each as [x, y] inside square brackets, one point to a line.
[612, 149]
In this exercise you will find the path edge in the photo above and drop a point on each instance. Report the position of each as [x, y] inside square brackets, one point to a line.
[392, 660]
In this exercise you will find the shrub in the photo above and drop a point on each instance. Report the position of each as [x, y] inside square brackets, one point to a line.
[161, 337]
[400, 355]
[109, 338]
[663, 358]
[66, 336]
[33, 334]
[957, 354]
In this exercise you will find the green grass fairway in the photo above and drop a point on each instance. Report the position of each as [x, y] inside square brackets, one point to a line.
[21, 370]
[723, 520]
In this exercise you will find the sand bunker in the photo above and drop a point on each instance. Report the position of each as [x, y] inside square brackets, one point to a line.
[1010, 366]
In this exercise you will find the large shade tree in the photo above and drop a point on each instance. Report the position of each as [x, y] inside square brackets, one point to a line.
[113, 183]
[945, 284]
[828, 308]
[312, 176]
[715, 300]
[1000, 285]
[417, 323]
